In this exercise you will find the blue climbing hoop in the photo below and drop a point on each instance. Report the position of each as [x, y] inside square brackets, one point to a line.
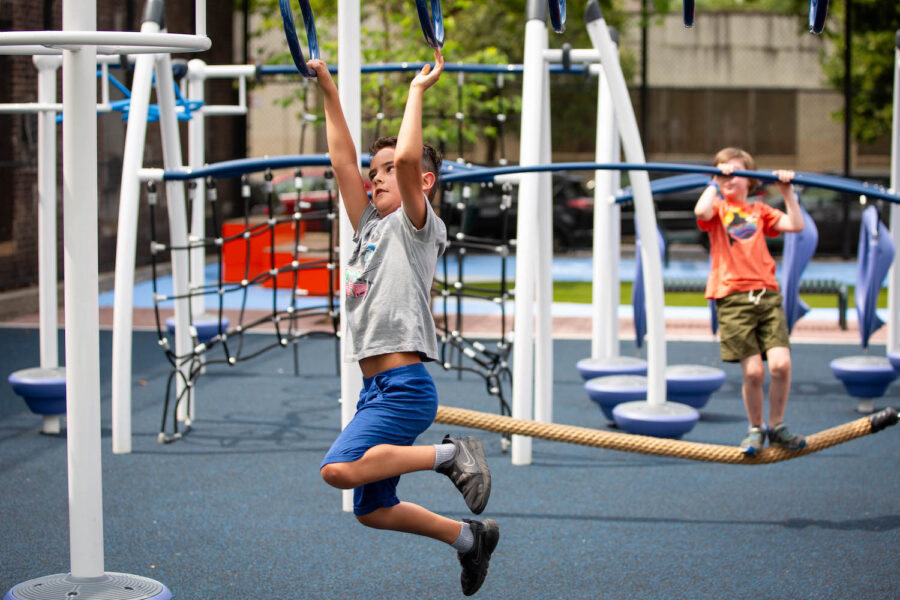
[558, 15]
[688, 12]
[433, 24]
[817, 11]
[290, 31]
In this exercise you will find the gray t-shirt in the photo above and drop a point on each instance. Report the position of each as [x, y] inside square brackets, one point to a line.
[388, 284]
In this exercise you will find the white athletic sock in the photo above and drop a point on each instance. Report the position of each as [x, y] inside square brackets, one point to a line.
[443, 453]
[465, 541]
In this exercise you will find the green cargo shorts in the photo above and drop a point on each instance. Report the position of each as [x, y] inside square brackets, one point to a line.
[750, 323]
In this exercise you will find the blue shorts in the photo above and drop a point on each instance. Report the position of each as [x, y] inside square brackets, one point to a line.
[394, 407]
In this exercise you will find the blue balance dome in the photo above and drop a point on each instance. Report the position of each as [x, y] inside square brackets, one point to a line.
[44, 390]
[692, 384]
[611, 390]
[613, 365]
[667, 420]
[864, 376]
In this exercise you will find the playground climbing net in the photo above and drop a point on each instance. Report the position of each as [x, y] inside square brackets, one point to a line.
[260, 259]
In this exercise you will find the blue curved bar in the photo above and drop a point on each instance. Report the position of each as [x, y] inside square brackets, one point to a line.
[688, 13]
[838, 184]
[243, 166]
[817, 11]
[432, 25]
[290, 32]
[676, 183]
[513, 69]
[558, 15]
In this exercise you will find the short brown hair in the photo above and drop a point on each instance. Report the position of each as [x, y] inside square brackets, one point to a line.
[726, 154]
[431, 158]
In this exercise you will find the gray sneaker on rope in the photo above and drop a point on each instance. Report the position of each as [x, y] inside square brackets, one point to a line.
[780, 436]
[754, 442]
[469, 472]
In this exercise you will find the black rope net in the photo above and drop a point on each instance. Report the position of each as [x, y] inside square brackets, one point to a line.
[265, 251]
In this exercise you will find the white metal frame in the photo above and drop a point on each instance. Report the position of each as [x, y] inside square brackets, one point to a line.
[79, 45]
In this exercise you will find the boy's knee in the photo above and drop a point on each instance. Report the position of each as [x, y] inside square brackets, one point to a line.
[337, 475]
[754, 375]
[780, 368]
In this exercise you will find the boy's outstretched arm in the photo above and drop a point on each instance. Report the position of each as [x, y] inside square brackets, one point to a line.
[704, 207]
[341, 148]
[408, 153]
[793, 220]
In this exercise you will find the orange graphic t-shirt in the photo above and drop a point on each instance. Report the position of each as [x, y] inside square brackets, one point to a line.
[740, 259]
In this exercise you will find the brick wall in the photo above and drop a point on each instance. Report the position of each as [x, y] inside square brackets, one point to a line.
[18, 156]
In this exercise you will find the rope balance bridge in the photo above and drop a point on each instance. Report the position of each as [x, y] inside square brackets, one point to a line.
[642, 444]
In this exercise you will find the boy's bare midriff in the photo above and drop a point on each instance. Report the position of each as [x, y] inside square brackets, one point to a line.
[373, 365]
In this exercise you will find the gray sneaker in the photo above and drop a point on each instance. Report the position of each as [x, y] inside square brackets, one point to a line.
[754, 442]
[469, 471]
[780, 436]
[475, 561]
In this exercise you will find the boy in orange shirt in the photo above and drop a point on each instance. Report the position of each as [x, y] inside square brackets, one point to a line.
[752, 323]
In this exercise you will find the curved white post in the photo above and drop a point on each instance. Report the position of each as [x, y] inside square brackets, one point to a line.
[527, 229]
[177, 212]
[349, 88]
[81, 296]
[605, 288]
[126, 240]
[893, 321]
[643, 204]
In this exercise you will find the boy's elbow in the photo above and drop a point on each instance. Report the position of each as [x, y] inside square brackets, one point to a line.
[406, 159]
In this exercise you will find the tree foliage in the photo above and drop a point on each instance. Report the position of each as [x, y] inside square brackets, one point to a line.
[873, 23]
[476, 32]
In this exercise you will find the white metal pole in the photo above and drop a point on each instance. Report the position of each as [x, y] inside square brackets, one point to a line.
[893, 321]
[196, 80]
[643, 204]
[126, 241]
[177, 212]
[350, 91]
[200, 17]
[604, 288]
[81, 296]
[527, 229]
[543, 347]
[47, 267]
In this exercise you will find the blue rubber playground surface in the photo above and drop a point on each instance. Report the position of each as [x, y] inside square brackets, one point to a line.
[237, 509]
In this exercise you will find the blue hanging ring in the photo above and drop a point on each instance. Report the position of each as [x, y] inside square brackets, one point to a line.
[688, 10]
[291, 33]
[558, 15]
[817, 11]
[433, 24]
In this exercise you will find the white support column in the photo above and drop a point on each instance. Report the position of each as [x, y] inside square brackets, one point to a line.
[177, 212]
[349, 88]
[605, 285]
[196, 80]
[48, 304]
[126, 241]
[527, 230]
[543, 347]
[81, 295]
[643, 204]
[893, 321]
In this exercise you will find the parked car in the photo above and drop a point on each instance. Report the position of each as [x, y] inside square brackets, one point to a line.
[483, 215]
